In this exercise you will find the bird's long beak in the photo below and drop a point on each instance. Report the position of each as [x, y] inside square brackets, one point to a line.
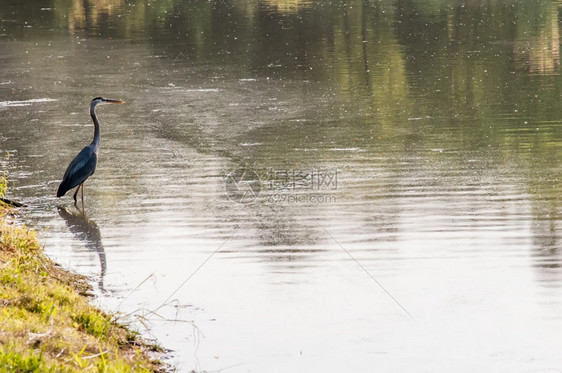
[110, 101]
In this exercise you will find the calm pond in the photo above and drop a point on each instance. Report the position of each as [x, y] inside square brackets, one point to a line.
[301, 186]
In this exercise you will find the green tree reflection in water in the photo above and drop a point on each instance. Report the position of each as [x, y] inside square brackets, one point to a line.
[402, 78]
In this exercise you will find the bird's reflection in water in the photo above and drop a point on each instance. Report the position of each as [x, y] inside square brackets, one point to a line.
[88, 232]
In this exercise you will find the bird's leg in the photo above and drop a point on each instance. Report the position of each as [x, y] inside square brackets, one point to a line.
[82, 211]
[76, 193]
[82, 194]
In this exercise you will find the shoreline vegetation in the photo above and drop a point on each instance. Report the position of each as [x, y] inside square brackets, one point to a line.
[46, 321]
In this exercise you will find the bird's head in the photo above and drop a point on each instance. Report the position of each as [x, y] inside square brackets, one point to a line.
[100, 101]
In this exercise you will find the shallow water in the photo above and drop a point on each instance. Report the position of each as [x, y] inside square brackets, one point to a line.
[407, 157]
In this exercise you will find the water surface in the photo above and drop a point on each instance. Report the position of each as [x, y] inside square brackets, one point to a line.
[409, 211]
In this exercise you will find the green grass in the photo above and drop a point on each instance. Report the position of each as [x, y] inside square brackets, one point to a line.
[11, 361]
[3, 184]
[46, 321]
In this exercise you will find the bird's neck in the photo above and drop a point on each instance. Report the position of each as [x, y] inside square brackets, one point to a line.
[97, 134]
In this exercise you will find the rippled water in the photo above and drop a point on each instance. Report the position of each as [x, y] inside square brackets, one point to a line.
[409, 211]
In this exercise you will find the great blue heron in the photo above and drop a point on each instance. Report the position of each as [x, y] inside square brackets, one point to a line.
[84, 164]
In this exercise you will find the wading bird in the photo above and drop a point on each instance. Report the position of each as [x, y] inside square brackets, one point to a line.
[84, 164]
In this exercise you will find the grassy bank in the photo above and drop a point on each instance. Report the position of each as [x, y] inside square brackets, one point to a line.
[46, 321]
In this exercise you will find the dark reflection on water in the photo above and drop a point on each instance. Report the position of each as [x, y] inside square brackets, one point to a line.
[86, 231]
[442, 120]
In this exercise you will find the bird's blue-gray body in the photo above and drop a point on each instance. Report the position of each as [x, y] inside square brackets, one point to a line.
[84, 164]
[81, 168]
